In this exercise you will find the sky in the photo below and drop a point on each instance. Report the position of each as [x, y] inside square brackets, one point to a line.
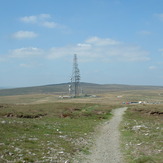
[116, 41]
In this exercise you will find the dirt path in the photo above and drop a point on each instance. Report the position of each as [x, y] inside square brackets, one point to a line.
[107, 145]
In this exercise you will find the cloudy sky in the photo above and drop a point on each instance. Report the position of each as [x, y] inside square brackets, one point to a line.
[116, 41]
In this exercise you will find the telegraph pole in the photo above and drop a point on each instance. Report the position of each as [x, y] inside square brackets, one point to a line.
[75, 78]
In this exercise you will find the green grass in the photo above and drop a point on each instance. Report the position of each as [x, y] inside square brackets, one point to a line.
[142, 134]
[52, 132]
[32, 130]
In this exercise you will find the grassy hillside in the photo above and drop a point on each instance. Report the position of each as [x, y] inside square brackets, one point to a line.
[88, 88]
[36, 118]
[50, 132]
[142, 134]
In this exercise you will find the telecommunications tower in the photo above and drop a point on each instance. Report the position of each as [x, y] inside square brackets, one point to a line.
[75, 78]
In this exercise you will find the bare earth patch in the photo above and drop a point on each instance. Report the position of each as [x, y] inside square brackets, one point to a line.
[107, 144]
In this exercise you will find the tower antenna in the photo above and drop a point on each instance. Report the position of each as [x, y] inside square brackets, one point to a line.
[75, 78]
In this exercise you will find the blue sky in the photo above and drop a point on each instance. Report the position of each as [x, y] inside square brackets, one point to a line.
[116, 41]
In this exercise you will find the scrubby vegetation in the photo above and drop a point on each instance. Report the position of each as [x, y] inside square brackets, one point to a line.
[45, 128]
[142, 134]
[52, 132]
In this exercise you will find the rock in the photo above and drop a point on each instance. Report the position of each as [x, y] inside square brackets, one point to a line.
[3, 122]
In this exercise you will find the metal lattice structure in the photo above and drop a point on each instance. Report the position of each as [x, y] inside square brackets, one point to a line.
[75, 78]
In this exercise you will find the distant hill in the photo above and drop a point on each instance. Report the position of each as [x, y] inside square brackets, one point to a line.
[88, 88]
[3, 87]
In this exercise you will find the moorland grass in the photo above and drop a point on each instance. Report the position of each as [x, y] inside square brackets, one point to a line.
[142, 134]
[52, 132]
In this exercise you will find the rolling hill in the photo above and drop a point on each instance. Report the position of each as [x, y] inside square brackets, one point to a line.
[88, 88]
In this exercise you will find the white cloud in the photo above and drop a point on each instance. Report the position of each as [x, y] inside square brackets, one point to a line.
[26, 52]
[161, 51]
[24, 35]
[101, 49]
[44, 16]
[49, 24]
[84, 45]
[42, 20]
[152, 67]
[92, 49]
[29, 65]
[2, 59]
[29, 19]
[101, 42]
[25, 65]
[145, 32]
[35, 18]
[159, 16]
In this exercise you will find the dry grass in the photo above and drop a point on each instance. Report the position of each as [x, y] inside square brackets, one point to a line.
[59, 138]
[142, 133]
[113, 98]
[49, 132]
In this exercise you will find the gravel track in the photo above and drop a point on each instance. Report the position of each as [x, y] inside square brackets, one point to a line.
[107, 143]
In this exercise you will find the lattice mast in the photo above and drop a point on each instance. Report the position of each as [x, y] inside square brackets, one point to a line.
[75, 78]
